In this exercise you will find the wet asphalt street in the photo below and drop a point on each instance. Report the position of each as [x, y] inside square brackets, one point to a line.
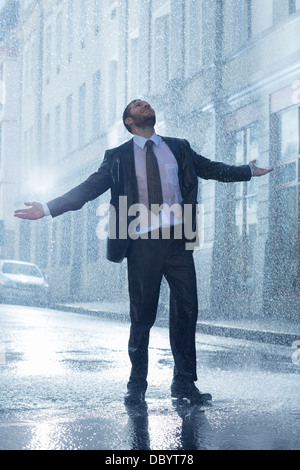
[64, 375]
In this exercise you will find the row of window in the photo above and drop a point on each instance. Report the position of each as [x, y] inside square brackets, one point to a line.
[263, 15]
[53, 41]
[246, 19]
[67, 128]
[63, 114]
[65, 26]
[242, 217]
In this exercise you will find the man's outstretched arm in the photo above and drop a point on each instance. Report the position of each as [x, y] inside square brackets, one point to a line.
[208, 169]
[97, 184]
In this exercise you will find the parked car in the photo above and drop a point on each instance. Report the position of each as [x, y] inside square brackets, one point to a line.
[22, 282]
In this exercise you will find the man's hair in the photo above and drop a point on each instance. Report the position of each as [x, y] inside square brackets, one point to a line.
[127, 114]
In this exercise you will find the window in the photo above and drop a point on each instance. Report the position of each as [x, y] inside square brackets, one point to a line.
[294, 5]
[25, 149]
[97, 16]
[134, 67]
[2, 233]
[69, 123]
[65, 240]
[1, 144]
[54, 243]
[193, 35]
[47, 139]
[48, 53]
[59, 41]
[261, 16]
[242, 213]
[249, 18]
[30, 64]
[58, 143]
[83, 20]
[70, 29]
[161, 53]
[81, 117]
[280, 10]
[93, 242]
[97, 104]
[32, 148]
[27, 3]
[242, 19]
[2, 87]
[286, 126]
[33, 64]
[41, 253]
[25, 240]
[26, 69]
[113, 77]
[113, 13]
[289, 133]
[77, 254]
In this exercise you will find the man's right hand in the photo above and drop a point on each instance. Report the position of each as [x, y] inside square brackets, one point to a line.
[35, 211]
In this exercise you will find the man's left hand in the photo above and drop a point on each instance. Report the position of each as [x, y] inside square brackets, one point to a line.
[259, 171]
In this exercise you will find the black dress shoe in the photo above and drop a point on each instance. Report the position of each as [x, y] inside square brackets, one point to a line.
[134, 397]
[188, 390]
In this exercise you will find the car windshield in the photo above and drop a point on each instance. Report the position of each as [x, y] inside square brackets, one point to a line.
[23, 269]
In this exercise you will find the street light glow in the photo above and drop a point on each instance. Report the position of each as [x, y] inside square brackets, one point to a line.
[41, 182]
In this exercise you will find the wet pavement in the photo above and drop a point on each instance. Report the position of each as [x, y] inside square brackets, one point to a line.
[64, 375]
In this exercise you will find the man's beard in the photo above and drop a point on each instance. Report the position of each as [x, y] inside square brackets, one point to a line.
[144, 121]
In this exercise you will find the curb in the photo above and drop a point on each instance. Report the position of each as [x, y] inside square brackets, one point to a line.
[96, 313]
[262, 336]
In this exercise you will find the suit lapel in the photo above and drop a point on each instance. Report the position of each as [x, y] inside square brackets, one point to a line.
[128, 164]
[127, 157]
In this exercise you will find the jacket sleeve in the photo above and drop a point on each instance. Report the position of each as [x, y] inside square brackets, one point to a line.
[97, 184]
[210, 170]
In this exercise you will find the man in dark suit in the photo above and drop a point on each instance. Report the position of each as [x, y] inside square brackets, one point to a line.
[155, 173]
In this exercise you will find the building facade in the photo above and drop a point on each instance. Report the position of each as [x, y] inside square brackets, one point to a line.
[225, 75]
[9, 125]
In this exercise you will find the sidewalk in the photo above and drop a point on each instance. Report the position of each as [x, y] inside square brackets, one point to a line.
[265, 330]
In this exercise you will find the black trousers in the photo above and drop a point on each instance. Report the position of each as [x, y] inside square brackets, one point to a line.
[148, 260]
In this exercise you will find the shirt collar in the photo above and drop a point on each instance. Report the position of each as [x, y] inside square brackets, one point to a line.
[141, 141]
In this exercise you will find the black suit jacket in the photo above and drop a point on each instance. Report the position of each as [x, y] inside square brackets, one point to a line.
[117, 173]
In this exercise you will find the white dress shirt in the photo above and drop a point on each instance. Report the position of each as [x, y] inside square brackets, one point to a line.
[168, 169]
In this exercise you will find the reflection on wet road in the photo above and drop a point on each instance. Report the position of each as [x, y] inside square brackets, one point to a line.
[63, 377]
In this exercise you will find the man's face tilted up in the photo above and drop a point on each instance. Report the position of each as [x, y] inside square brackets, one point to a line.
[140, 115]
